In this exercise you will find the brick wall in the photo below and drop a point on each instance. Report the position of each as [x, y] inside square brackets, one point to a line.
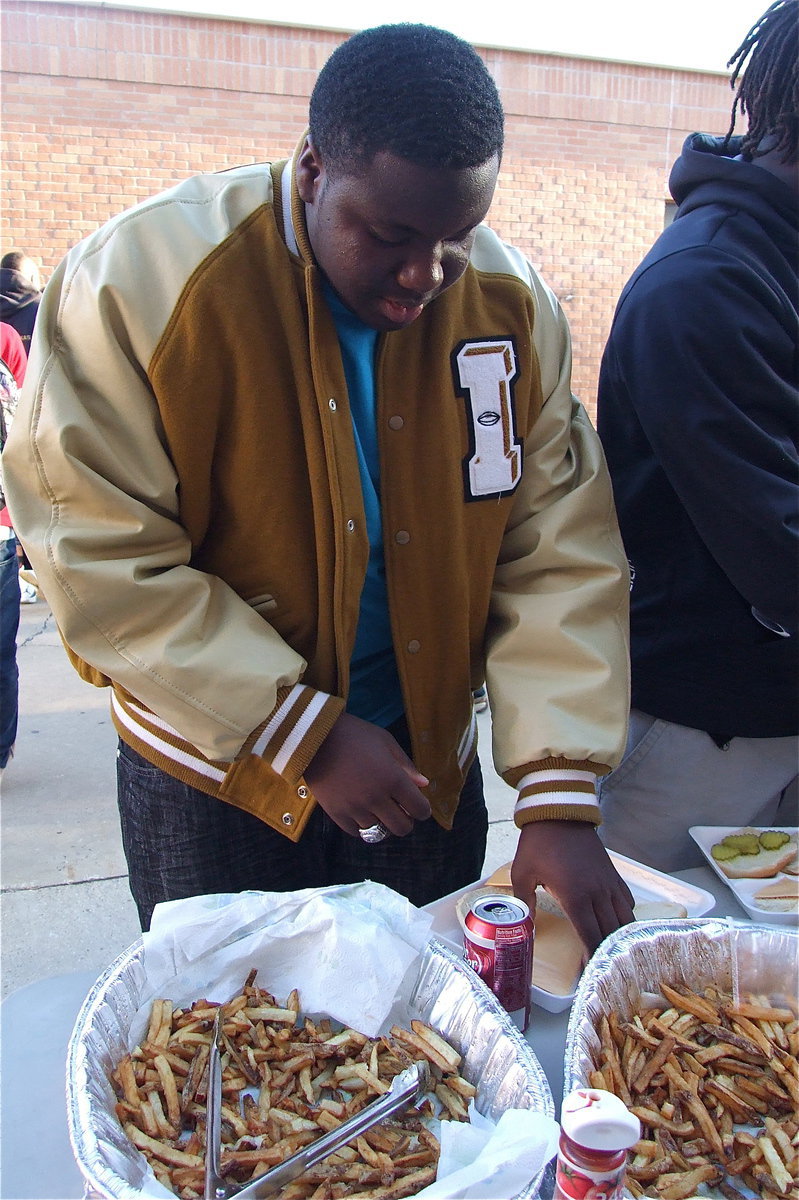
[104, 106]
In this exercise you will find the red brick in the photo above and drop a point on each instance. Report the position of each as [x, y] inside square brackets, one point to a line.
[104, 106]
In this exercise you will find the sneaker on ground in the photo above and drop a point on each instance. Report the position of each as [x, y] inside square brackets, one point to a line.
[27, 593]
[480, 699]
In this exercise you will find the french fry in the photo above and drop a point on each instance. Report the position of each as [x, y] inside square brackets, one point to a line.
[722, 1088]
[682, 1184]
[652, 1168]
[413, 1182]
[759, 1012]
[369, 1078]
[612, 1062]
[283, 1016]
[705, 1122]
[169, 1087]
[147, 1119]
[655, 1120]
[729, 1192]
[127, 1079]
[456, 1083]
[653, 1065]
[452, 1103]
[154, 1026]
[776, 1166]
[442, 1053]
[781, 1139]
[162, 1150]
[689, 1001]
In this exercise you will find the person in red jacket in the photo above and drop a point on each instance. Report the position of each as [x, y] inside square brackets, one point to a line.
[13, 361]
[13, 352]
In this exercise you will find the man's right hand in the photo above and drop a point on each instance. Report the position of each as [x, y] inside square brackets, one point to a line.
[361, 775]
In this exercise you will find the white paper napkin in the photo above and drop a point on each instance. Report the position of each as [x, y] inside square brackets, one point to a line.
[484, 1161]
[348, 949]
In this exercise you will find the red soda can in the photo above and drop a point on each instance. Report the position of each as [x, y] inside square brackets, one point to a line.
[498, 945]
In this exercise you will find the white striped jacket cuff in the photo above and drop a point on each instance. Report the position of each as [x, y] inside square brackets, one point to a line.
[287, 740]
[296, 728]
[556, 787]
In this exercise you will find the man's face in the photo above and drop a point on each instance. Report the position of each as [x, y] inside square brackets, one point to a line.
[393, 236]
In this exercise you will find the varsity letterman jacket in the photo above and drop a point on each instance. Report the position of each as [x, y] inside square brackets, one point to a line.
[183, 475]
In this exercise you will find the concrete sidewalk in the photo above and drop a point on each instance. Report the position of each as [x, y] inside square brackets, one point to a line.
[65, 904]
[64, 899]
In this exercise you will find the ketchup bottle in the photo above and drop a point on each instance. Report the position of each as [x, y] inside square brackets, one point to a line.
[597, 1130]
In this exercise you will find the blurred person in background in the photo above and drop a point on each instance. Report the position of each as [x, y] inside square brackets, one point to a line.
[20, 293]
[20, 296]
[12, 374]
[699, 416]
[13, 352]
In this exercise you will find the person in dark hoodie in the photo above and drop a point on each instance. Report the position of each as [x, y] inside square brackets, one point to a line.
[20, 293]
[698, 415]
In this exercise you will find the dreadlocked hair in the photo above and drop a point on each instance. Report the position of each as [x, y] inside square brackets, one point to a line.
[769, 91]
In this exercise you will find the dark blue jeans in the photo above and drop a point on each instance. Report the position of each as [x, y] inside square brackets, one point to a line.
[9, 624]
[179, 842]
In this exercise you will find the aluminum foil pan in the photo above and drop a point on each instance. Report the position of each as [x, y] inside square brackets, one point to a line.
[736, 956]
[447, 994]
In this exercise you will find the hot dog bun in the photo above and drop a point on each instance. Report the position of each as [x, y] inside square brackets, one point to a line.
[780, 896]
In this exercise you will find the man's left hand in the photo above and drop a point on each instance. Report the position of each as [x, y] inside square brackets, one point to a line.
[568, 859]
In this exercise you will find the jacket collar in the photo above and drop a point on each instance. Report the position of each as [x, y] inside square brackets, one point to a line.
[295, 231]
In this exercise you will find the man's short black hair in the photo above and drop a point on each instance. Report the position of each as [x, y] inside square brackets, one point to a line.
[416, 91]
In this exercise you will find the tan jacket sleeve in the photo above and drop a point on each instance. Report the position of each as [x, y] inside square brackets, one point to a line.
[557, 649]
[94, 498]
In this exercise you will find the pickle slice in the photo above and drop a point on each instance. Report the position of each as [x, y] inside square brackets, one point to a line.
[723, 853]
[773, 839]
[744, 843]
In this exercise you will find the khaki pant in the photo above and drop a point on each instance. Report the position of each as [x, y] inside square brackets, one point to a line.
[673, 777]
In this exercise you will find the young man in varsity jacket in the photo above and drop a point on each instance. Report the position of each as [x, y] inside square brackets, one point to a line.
[293, 524]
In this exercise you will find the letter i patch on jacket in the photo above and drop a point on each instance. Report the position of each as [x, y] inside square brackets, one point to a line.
[484, 375]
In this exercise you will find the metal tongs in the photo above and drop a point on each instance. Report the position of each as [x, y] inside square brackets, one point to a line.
[407, 1087]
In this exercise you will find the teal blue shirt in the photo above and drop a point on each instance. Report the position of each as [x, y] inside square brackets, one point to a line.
[375, 694]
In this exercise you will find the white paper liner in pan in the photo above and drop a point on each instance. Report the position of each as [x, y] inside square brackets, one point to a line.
[446, 994]
[736, 956]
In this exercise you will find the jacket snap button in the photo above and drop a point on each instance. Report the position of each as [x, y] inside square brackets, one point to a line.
[395, 422]
[302, 791]
[332, 404]
[414, 647]
[402, 537]
[288, 819]
[350, 525]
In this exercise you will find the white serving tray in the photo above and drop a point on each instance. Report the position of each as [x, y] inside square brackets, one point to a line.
[644, 882]
[744, 890]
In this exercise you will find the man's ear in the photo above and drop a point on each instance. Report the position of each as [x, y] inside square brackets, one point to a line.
[309, 173]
